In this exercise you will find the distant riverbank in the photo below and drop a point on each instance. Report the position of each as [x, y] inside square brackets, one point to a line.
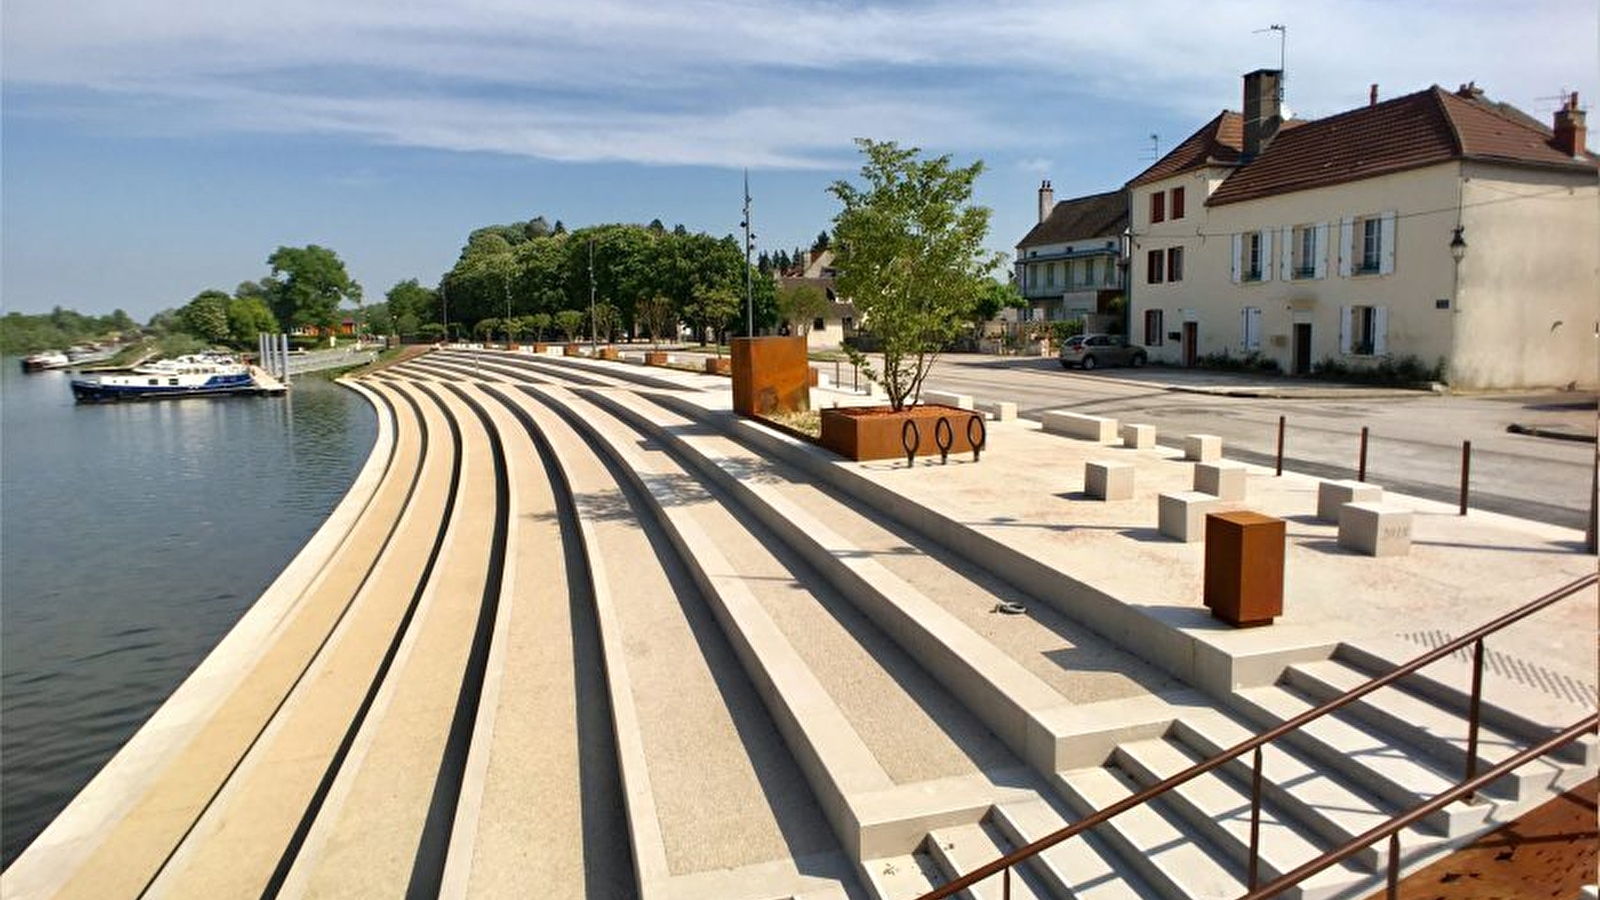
[132, 537]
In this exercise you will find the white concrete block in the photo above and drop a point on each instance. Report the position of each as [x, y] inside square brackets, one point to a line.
[1000, 410]
[1220, 479]
[948, 398]
[1202, 447]
[1183, 514]
[1331, 495]
[1139, 437]
[1376, 529]
[1099, 429]
[1105, 480]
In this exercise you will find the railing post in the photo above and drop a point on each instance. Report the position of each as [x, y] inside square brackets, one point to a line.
[1255, 818]
[1279, 472]
[1466, 472]
[1005, 884]
[1361, 468]
[1472, 711]
[1394, 867]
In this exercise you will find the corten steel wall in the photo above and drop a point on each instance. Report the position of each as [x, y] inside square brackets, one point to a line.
[770, 374]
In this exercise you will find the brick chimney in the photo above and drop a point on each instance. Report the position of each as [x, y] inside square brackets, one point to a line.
[1262, 110]
[1569, 128]
[1047, 199]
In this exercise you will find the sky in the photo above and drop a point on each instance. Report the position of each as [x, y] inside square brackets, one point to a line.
[152, 149]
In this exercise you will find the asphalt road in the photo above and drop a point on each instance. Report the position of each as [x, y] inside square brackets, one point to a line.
[1414, 439]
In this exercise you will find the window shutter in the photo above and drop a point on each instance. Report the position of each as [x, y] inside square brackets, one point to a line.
[1344, 329]
[1238, 251]
[1380, 330]
[1347, 233]
[1266, 254]
[1320, 252]
[1286, 253]
[1386, 243]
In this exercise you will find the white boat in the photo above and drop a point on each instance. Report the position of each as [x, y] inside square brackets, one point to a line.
[45, 359]
[200, 375]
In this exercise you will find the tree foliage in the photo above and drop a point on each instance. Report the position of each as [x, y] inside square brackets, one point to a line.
[909, 249]
[801, 304]
[206, 317]
[308, 285]
[569, 321]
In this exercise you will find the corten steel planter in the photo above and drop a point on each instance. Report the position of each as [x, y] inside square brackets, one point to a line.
[769, 375]
[541, 347]
[720, 365]
[571, 350]
[608, 353]
[655, 357]
[1244, 567]
[876, 432]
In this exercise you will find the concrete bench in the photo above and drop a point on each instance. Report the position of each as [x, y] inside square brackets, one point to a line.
[947, 398]
[1138, 437]
[1104, 480]
[999, 410]
[1183, 514]
[1220, 479]
[1099, 429]
[1331, 495]
[1376, 529]
[1202, 447]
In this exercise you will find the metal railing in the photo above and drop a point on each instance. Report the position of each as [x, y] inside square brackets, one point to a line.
[1471, 780]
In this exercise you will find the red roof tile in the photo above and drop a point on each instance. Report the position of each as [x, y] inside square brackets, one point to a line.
[1219, 142]
[1097, 215]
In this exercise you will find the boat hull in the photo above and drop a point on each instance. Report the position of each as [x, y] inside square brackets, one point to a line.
[103, 390]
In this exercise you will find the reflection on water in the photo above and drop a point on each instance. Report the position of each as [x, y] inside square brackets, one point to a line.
[132, 537]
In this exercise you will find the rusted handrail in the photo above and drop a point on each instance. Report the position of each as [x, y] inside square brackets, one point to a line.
[1391, 829]
[1061, 834]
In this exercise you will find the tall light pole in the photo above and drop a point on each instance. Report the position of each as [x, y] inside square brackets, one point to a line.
[749, 289]
[444, 298]
[594, 339]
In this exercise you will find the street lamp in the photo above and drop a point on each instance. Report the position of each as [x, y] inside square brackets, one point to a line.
[1458, 245]
[594, 339]
[749, 290]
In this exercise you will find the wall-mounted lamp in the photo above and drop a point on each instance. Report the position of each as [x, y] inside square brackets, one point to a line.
[1458, 245]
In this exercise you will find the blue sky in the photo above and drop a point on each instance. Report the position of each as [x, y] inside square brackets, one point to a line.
[156, 148]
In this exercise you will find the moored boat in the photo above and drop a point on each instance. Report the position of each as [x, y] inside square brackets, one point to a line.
[203, 375]
[45, 359]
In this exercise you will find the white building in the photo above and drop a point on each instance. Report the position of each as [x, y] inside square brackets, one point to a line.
[1067, 265]
[1438, 226]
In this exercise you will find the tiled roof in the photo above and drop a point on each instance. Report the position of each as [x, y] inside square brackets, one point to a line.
[1219, 142]
[1097, 215]
[1421, 129]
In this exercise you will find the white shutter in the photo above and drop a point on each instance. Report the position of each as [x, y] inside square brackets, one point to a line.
[1344, 329]
[1320, 252]
[1238, 250]
[1386, 243]
[1244, 327]
[1266, 254]
[1347, 231]
[1252, 327]
[1380, 330]
[1286, 254]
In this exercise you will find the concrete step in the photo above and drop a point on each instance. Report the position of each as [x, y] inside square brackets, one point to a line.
[1436, 730]
[1393, 770]
[1219, 809]
[1336, 810]
[1512, 706]
[961, 849]
[904, 877]
[1152, 842]
[1081, 866]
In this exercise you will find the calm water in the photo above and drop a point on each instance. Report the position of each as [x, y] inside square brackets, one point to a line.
[132, 537]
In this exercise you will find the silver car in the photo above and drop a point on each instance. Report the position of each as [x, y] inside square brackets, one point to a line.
[1090, 350]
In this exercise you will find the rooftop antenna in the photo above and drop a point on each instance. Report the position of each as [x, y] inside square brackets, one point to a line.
[1155, 148]
[1283, 38]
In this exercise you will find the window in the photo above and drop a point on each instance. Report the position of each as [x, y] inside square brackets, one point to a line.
[1055, 274]
[1371, 252]
[819, 325]
[1303, 264]
[1177, 203]
[1251, 327]
[1158, 206]
[1152, 267]
[1367, 245]
[1252, 256]
[1154, 331]
[1175, 264]
[1363, 330]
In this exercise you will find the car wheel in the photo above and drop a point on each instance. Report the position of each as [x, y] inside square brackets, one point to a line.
[1138, 360]
[1088, 363]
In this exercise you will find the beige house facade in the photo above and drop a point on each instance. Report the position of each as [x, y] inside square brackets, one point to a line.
[1438, 230]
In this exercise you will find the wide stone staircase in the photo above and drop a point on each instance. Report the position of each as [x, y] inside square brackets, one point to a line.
[583, 633]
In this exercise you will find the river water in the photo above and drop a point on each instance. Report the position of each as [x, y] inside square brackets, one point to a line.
[132, 537]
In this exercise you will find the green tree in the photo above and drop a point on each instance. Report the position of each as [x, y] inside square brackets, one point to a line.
[910, 255]
[247, 318]
[310, 283]
[409, 304]
[431, 331]
[603, 320]
[538, 323]
[486, 327]
[569, 321]
[799, 305]
[659, 317]
[711, 309]
[206, 316]
[994, 297]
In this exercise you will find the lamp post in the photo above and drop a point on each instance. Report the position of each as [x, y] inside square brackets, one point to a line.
[594, 338]
[749, 290]
[1458, 245]
[505, 282]
[444, 298]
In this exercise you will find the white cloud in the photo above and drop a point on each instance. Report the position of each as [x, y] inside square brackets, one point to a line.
[780, 83]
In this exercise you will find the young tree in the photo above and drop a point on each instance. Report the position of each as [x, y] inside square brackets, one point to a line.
[910, 256]
[569, 321]
[487, 327]
[799, 305]
[710, 309]
[658, 317]
[538, 323]
[604, 320]
[994, 297]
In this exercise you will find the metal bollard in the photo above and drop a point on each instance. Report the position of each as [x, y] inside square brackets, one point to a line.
[1361, 468]
[1279, 472]
[1466, 472]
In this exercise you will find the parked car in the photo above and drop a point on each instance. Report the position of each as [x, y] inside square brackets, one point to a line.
[1090, 350]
